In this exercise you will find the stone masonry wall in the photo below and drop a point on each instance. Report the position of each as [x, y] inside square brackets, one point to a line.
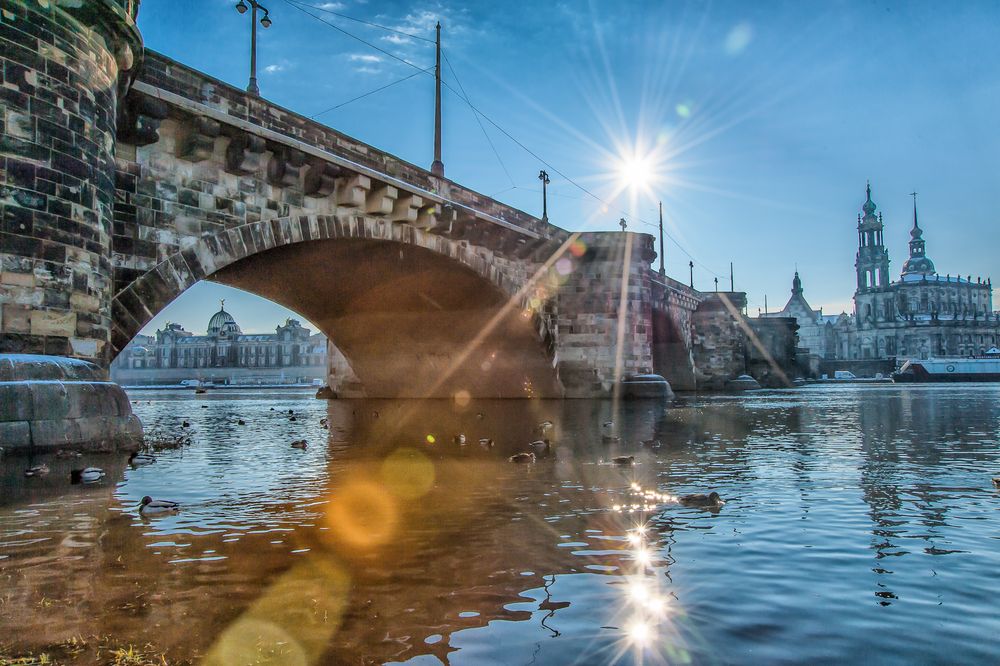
[58, 102]
[718, 340]
[587, 309]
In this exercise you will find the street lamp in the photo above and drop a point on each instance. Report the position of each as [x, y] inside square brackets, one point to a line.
[544, 177]
[265, 22]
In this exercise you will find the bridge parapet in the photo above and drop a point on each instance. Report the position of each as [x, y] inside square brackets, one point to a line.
[187, 91]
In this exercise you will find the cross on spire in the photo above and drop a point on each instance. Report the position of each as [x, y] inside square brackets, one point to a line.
[914, 195]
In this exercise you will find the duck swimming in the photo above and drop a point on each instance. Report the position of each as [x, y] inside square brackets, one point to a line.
[712, 500]
[37, 470]
[459, 439]
[541, 447]
[150, 505]
[522, 458]
[486, 443]
[300, 444]
[624, 461]
[63, 453]
[138, 459]
[545, 426]
[996, 481]
[86, 475]
[608, 432]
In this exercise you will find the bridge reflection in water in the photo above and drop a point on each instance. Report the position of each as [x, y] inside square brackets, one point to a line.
[385, 540]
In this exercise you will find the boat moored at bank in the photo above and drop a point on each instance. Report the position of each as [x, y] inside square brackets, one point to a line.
[981, 368]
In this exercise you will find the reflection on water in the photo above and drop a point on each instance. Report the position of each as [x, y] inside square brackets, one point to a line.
[860, 524]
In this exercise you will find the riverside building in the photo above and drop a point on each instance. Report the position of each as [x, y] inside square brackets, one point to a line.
[922, 314]
[224, 355]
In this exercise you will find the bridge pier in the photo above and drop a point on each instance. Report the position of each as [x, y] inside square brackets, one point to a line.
[65, 68]
[602, 309]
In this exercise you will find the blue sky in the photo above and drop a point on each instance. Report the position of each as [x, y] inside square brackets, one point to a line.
[756, 123]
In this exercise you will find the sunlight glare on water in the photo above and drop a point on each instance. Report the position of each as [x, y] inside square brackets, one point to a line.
[859, 524]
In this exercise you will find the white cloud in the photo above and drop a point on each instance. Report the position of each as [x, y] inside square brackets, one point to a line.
[364, 57]
[274, 69]
[397, 39]
[367, 70]
[330, 6]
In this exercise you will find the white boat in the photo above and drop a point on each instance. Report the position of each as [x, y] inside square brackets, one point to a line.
[981, 368]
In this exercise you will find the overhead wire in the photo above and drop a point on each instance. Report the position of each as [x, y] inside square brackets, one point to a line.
[357, 20]
[465, 98]
[370, 92]
[296, 4]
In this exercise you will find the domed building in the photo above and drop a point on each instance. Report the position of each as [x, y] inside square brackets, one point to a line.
[922, 314]
[224, 355]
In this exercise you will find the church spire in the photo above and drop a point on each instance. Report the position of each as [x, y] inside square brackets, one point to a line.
[796, 284]
[918, 263]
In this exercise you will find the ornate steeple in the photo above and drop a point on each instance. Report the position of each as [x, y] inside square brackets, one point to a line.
[869, 206]
[918, 263]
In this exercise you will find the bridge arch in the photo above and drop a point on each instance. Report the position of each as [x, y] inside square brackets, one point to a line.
[416, 314]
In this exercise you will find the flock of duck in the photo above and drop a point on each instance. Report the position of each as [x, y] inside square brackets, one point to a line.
[536, 450]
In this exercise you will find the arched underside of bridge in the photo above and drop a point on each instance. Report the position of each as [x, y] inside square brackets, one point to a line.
[414, 318]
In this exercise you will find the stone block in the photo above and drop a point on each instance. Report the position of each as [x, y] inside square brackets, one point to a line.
[15, 402]
[17, 279]
[16, 319]
[15, 435]
[82, 302]
[405, 208]
[381, 200]
[87, 347]
[353, 192]
[49, 322]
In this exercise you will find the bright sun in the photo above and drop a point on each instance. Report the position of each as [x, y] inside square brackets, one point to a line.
[635, 172]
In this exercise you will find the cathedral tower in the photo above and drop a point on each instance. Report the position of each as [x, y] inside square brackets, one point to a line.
[872, 262]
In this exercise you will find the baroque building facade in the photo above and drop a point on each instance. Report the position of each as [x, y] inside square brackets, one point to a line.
[224, 355]
[923, 314]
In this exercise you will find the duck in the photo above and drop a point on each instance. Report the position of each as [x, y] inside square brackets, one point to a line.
[459, 439]
[608, 432]
[138, 459]
[37, 470]
[651, 443]
[86, 475]
[486, 443]
[291, 411]
[545, 426]
[240, 422]
[300, 444]
[323, 421]
[185, 424]
[150, 505]
[700, 499]
[522, 458]
[291, 418]
[623, 460]
[996, 481]
[199, 391]
[541, 447]
[63, 453]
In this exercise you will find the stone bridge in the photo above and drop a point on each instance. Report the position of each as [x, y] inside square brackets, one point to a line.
[128, 177]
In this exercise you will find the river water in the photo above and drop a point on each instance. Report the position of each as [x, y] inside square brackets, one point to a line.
[860, 524]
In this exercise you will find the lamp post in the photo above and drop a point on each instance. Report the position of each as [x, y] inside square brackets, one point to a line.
[663, 252]
[691, 268]
[623, 224]
[265, 21]
[544, 177]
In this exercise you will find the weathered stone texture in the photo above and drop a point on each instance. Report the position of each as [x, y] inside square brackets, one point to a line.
[61, 66]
